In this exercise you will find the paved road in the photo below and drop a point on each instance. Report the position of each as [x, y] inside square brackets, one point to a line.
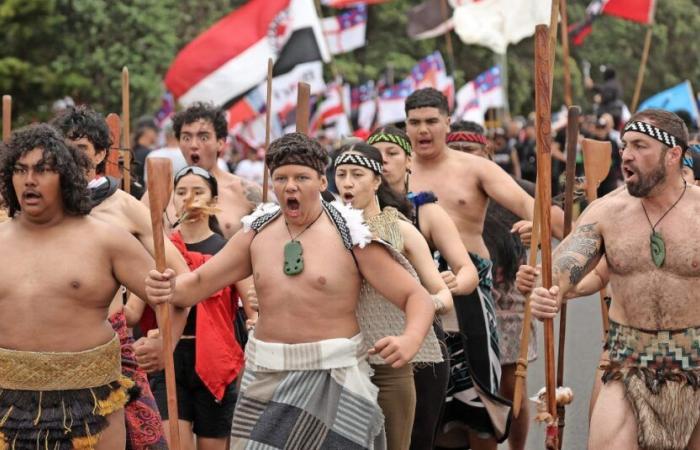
[583, 346]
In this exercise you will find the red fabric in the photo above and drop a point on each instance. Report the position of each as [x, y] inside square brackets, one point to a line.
[462, 136]
[219, 358]
[222, 42]
[641, 11]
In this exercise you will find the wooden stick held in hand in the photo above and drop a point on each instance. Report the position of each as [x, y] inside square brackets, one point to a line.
[303, 108]
[543, 69]
[268, 118]
[6, 118]
[126, 144]
[115, 127]
[571, 146]
[160, 176]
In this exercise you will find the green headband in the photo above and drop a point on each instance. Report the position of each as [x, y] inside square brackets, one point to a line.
[392, 139]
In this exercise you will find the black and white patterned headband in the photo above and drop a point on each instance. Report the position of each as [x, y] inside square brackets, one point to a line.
[359, 160]
[654, 132]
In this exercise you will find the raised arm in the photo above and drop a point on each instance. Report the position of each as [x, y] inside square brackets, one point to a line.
[395, 284]
[418, 253]
[442, 232]
[227, 267]
[577, 255]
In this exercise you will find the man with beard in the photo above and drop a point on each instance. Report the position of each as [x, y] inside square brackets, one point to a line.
[650, 396]
[463, 184]
[306, 382]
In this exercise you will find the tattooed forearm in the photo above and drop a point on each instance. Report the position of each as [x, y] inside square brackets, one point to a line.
[577, 254]
[252, 192]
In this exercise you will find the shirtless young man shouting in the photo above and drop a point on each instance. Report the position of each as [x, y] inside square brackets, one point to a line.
[60, 366]
[306, 382]
[650, 397]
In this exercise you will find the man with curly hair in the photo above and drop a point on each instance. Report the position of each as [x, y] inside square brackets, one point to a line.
[60, 365]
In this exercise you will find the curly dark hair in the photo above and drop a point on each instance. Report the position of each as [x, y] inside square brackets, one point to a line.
[296, 148]
[427, 98]
[386, 195]
[205, 111]
[68, 161]
[84, 122]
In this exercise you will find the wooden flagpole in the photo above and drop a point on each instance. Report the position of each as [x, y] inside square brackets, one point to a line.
[448, 36]
[572, 129]
[303, 108]
[268, 125]
[568, 95]
[6, 118]
[160, 176]
[543, 68]
[126, 136]
[642, 68]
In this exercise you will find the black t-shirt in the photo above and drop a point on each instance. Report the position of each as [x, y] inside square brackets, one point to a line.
[209, 246]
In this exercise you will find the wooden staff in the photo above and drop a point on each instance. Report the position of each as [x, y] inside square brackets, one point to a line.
[268, 125]
[552, 39]
[112, 165]
[521, 364]
[543, 70]
[571, 145]
[597, 157]
[160, 175]
[642, 68]
[6, 118]
[568, 96]
[126, 144]
[303, 108]
[444, 11]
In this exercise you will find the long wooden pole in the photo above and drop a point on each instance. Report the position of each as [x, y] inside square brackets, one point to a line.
[568, 95]
[160, 175]
[552, 40]
[543, 69]
[572, 129]
[521, 364]
[444, 10]
[303, 108]
[268, 125]
[126, 136]
[6, 117]
[642, 68]
[115, 127]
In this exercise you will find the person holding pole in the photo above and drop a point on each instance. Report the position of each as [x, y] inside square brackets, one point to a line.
[60, 364]
[306, 379]
[650, 394]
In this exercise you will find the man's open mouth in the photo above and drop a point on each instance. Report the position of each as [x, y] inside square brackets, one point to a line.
[195, 158]
[293, 204]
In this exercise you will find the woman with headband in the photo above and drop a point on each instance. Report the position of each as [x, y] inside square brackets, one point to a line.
[441, 234]
[358, 176]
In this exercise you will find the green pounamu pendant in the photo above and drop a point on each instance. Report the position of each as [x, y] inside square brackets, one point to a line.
[658, 249]
[293, 259]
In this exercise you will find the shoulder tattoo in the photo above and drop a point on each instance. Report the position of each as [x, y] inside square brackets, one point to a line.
[578, 253]
[252, 192]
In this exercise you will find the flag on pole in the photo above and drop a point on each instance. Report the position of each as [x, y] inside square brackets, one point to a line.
[476, 97]
[390, 107]
[497, 23]
[427, 20]
[363, 104]
[468, 106]
[346, 31]
[677, 98]
[641, 11]
[231, 56]
[330, 114]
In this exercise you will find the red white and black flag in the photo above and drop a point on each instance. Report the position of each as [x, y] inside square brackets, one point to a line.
[231, 57]
[641, 11]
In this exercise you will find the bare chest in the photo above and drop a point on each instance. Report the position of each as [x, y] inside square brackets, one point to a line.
[233, 208]
[457, 193]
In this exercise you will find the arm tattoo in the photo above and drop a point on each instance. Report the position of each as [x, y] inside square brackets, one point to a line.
[578, 254]
[253, 193]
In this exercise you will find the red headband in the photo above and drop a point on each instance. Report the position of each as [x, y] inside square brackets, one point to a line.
[462, 136]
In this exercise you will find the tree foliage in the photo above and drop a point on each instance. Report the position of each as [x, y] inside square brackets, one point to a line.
[55, 48]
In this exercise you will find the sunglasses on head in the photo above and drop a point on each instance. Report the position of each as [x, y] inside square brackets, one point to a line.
[193, 170]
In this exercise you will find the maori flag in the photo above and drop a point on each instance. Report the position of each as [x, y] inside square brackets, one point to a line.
[641, 11]
[231, 57]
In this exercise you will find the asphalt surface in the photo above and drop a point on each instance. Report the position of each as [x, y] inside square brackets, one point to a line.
[583, 347]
